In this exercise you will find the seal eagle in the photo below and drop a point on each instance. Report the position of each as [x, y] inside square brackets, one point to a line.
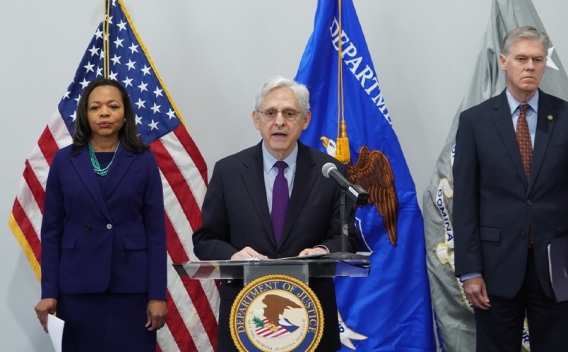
[275, 306]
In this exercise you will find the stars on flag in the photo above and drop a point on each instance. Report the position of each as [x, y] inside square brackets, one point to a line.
[89, 67]
[130, 67]
[153, 125]
[140, 103]
[118, 42]
[130, 64]
[84, 83]
[549, 62]
[94, 51]
[146, 70]
[127, 82]
[142, 87]
[133, 48]
[115, 59]
[121, 26]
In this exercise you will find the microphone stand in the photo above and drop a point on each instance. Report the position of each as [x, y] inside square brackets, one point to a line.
[344, 211]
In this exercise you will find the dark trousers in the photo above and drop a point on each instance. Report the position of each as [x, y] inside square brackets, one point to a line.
[500, 329]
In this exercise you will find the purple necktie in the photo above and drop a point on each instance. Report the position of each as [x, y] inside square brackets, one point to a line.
[280, 200]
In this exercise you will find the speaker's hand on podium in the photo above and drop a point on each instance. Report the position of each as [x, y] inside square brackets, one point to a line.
[248, 253]
[315, 250]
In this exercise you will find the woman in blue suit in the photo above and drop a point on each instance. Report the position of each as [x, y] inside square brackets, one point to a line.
[103, 231]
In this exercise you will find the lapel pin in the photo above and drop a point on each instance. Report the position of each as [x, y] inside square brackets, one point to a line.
[550, 117]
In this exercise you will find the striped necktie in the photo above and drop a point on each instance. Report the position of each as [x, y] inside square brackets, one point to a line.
[524, 139]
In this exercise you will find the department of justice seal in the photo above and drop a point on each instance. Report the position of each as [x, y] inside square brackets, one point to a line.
[276, 313]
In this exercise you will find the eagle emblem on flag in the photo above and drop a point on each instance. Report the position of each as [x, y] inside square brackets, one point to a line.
[374, 173]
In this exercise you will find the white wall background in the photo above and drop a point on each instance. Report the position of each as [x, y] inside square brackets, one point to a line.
[213, 55]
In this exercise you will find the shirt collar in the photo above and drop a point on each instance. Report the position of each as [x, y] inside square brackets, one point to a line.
[514, 103]
[269, 160]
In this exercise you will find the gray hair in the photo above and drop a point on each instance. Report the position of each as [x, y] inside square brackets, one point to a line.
[526, 32]
[300, 91]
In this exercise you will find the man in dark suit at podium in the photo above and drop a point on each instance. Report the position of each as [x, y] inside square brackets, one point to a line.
[272, 201]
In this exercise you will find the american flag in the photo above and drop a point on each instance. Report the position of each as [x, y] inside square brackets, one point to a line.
[269, 333]
[192, 304]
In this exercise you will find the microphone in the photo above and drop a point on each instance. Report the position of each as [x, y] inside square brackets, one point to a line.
[355, 192]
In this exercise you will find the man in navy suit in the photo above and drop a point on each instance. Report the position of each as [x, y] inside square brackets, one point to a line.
[510, 199]
[238, 206]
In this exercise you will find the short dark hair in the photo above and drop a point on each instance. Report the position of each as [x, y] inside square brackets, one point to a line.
[128, 135]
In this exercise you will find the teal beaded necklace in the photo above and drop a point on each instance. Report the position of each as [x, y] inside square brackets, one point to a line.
[95, 162]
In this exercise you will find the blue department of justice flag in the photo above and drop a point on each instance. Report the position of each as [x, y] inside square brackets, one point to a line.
[391, 309]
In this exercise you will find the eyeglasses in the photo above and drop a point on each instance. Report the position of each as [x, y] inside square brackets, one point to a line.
[271, 114]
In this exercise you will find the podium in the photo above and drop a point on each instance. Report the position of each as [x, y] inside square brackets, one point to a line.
[248, 270]
[276, 310]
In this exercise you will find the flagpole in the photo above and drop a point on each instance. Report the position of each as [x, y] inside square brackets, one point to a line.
[106, 25]
[342, 152]
[339, 72]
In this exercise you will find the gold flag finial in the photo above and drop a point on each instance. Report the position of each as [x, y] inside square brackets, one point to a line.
[342, 152]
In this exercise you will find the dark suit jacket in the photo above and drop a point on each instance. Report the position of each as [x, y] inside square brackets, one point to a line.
[94, 241]
[235, 215]
[493, 203]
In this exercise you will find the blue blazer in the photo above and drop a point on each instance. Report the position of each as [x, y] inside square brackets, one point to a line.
[494, 205]
[95, 242]
[235, 215]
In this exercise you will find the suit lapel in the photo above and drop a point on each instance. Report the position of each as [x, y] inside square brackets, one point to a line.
[253, 178]
[305, 176]
[84, 168]
[503, 121]
[544, 128]
[120, 165]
